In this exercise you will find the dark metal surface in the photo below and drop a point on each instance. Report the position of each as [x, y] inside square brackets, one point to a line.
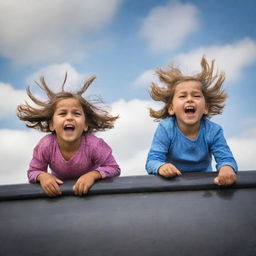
[132, 184]
[142, 215]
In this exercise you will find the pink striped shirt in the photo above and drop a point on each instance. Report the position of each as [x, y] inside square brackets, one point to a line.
[93, 154]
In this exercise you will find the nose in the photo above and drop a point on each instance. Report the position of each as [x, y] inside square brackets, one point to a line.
[69, 116]
[189, 98]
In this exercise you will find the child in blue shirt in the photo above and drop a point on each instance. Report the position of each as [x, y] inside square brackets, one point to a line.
[186, 139]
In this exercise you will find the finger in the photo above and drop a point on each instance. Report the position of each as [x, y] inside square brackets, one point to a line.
[55, 188]
[173, 171]
[48, 191]
[216, 181]
[85, 189]
[222, 181]
[230, 180]
[52, 190]
[78, 188]
[168, 173]
[59, 181]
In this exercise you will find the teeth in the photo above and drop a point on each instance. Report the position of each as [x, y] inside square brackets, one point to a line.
[69, 126]
[190, 109]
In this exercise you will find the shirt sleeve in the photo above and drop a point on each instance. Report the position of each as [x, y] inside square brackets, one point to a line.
[39, 163]
[158, 151]
[221, 151]
[103, 158]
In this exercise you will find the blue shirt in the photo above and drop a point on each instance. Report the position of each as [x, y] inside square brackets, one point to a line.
[170, 145]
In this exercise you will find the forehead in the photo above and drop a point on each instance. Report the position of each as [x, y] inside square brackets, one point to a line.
[188, 86]
[68, 103]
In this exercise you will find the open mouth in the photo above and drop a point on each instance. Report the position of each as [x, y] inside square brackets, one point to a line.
[69, 127]
[190, 110]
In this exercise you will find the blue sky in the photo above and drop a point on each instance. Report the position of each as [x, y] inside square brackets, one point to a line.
[123, 42]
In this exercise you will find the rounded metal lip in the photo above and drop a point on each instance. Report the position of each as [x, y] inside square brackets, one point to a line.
[133, 184]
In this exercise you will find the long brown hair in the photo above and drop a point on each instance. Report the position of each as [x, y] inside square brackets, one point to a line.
[39, 117]
[211, 85]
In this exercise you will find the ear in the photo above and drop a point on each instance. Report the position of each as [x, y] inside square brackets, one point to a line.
[206, 110]
[171, 111]
[51, 126]
[86, 128]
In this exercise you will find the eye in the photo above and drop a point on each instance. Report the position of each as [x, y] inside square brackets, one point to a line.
[62, 113]
[77, 114]
[182, 96]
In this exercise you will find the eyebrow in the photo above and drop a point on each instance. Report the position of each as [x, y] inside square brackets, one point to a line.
[193, 91]
[65, 109]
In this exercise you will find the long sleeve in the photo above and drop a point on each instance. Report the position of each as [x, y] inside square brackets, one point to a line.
[159, 149]
[38, 163]
[103, 158]
[221, 151]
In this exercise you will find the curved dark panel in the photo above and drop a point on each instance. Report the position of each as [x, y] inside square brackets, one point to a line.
[133, 184]
[139, 215]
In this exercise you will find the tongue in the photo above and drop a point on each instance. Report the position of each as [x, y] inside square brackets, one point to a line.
[68, 129]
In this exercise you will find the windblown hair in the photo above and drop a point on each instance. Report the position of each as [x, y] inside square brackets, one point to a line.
[211, 83]
[39, 117]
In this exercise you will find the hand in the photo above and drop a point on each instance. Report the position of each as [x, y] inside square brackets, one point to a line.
[168, 171]
[85, 182]
[226, 176]
[49, 183]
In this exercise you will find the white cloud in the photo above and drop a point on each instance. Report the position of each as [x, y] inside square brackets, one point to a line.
[231, 58]
[166, 27]
[145, 79]
[244, 150]
[40, 31]
[132, 135]
[54, 76]
[10, 98]
[16, 151]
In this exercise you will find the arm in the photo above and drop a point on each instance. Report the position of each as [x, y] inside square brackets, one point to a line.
[38, 169]
[49, 183]
[225, 162]
[226, 176]
[104, 160]
[156, 161]
[38, 164]
[85, 182]
[106, 167]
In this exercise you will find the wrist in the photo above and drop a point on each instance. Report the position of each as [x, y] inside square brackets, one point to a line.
[39, 176]
[96, 175]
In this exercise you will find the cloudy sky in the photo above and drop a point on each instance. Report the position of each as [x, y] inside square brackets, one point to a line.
[122, 42]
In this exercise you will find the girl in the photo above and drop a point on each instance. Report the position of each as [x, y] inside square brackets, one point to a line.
[185, 139]
[71, 150]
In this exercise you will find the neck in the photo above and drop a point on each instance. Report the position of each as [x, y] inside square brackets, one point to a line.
[190, 131]
[69, 149]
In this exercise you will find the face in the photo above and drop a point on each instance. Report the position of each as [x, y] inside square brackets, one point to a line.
[188, 104]
[68, 121]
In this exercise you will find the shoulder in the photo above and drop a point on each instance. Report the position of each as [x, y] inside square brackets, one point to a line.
[166, 128]
[211, 126]
[45, 146]
[95, 145]
[168, 123]
[92, 140]
[47, 140]
[212, 130]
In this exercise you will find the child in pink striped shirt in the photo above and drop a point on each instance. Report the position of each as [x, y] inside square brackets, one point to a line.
[71, 150]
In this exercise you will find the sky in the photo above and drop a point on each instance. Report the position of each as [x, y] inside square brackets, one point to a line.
[123, 42]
